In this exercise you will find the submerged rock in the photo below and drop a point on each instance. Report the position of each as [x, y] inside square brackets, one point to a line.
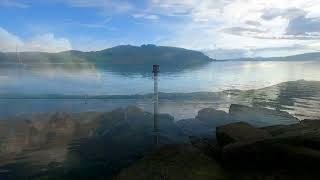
[240, 132]
[259, 116]
[194, 127]
[213, 117]
[205, 122]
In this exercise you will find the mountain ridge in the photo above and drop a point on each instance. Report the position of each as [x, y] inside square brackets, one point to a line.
[118, 55]
[124, 59]
[312, 56]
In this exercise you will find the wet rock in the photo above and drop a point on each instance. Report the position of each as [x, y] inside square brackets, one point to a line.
[295, 146]
[205, 122]
[298, 129]
[174, 162]
[240, 132]
[194, 127]
[213, 118]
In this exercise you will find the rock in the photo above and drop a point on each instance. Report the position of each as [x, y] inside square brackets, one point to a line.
[294, 146]
[194, 127]
[240, 132]
[298, 129]
[213, 118]
[174, 162]
[278, 153]
[260, 116]
[205, 123]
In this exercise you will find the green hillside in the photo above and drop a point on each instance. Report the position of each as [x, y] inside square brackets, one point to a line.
[117, 56]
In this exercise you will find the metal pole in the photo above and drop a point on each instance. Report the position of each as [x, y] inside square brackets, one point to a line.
[155, 105]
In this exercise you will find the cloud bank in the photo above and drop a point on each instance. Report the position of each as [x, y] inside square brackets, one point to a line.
[44, 42]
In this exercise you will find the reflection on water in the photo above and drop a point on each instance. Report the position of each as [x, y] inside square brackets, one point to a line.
[89, 79]
[299, 98]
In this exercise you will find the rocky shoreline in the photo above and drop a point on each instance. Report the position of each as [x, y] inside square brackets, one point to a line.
[96, 145]
[288, 149]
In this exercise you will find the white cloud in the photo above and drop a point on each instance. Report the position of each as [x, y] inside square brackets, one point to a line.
[242, 24]
[8, 41]
[45, 42]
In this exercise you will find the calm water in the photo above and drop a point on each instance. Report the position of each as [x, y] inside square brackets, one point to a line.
[86, 79]
[37, 143]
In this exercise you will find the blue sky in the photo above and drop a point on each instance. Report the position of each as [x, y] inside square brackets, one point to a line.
[220, 28]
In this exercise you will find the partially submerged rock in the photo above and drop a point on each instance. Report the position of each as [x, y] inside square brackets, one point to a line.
[239, 132]
[259, 116]
[194, 127]
[205, 122]
[295, 146]
[213, 117]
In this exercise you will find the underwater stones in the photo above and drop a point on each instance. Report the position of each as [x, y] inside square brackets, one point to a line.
[259, 116]
[213, 117]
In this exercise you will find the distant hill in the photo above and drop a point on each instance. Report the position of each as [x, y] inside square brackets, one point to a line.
[315, 56]
[118, 57]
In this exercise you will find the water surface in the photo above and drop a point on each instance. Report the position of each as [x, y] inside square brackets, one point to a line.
[88, 79]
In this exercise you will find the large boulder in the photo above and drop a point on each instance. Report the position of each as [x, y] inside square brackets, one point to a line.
[205, 123]
[304, 127]
[173, 163]
[194, 127]
[214, 118]
[259, 116]
[240, 132]
[295, 146]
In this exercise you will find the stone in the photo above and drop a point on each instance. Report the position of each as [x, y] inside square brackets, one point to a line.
[194, 127]
[294, 146]
[240, 132]
[213, 118]
[259, 116]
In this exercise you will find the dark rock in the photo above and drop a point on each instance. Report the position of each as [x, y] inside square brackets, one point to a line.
[194, 127]
[213, 118]
[173, 163]
[240, 132]
[205, 122]
[295, 146]
[271, 153]
[298, 129]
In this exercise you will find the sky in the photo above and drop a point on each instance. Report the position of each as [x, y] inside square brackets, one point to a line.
[221, 28]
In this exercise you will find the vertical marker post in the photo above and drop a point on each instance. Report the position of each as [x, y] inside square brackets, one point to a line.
[155, 72]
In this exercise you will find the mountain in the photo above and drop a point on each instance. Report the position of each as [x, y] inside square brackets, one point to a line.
[314, 56]
[118, 57]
